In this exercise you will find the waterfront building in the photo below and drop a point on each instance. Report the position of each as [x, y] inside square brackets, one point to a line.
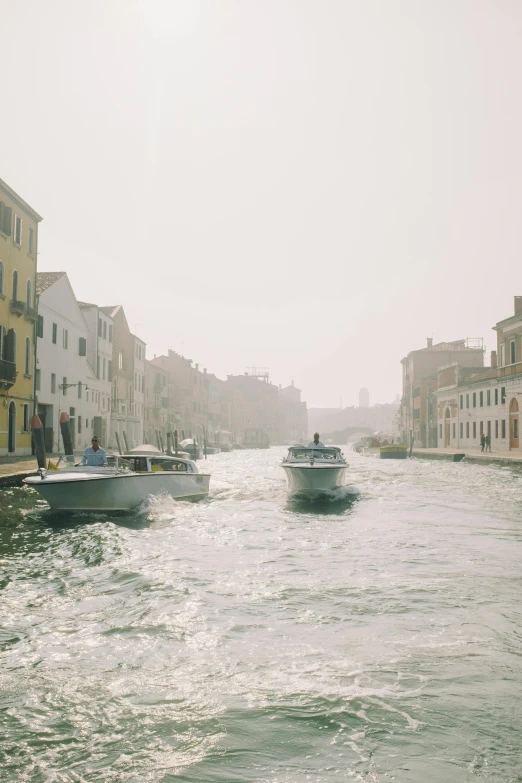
[476, 401]
[418, 412]
[100, 329]
[256, 412]
[128, 381]
[65, 378]
[18, 317]
[292, 416]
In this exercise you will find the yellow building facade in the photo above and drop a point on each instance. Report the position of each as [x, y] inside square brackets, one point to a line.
[18, 321]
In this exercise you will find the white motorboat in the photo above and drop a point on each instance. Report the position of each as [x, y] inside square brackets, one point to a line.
[313, 471]
[125, 483]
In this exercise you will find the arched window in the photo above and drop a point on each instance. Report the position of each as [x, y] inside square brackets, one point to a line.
[15, 285]
[10, 348]
[29, 299]
[2, 273]
[27, 356]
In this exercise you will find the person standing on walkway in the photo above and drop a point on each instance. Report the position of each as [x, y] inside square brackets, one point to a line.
[482, 442]
[488, 442]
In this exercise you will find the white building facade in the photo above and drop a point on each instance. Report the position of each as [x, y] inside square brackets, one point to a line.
[65, 379]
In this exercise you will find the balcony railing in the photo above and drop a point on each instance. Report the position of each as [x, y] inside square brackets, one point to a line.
[31, 314]
[7, 372]
[17, 307]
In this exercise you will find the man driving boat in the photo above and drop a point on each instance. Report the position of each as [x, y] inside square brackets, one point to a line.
[316, 441]
[94, 456]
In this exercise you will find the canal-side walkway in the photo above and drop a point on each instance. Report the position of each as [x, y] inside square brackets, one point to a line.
[472, 455]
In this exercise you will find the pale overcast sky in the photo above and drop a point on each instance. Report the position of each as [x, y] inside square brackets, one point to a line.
[311, 186]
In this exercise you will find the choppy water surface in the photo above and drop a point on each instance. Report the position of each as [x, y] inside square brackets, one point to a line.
[247, 637]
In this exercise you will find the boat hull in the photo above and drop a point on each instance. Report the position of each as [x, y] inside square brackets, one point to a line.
[394, 451]
[314, 479]
[116, 493]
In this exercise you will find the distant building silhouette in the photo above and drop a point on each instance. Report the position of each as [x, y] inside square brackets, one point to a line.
[364, 398]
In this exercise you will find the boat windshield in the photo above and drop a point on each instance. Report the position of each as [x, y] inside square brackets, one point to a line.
[160, 463]
[304, 453]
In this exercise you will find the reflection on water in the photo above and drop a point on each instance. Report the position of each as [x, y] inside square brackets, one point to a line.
[255, 637]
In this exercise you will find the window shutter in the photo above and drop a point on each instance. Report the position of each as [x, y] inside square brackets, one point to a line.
[11, 346]
[39, 326]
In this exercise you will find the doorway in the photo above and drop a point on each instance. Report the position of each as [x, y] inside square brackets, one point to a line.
[513, 424]
[11, 438]
[447, 432]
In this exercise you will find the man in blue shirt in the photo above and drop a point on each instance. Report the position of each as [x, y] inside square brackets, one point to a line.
[94, 455]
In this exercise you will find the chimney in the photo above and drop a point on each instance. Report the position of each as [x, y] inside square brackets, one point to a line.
[518, 305]
[430, 342]
[494, 357]
[205, 371]
[196, 366]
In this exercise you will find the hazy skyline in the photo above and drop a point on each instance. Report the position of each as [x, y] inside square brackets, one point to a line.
[311, 187]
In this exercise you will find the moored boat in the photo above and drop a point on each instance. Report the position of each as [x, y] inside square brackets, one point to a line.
[313, 471]
[123, 484]
[394, 451]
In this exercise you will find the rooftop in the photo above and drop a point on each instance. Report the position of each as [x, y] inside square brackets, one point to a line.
[45, 280]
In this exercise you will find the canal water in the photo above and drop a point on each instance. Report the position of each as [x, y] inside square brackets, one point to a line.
[375, 636]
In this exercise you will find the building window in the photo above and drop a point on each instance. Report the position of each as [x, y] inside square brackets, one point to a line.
[104, 366]
[461, 430]
[467, 429]
[109, 370]
[489, 428]
[454, 434]
[2, 274]
[27, 366]
[496, 429]
[82, 346]
[467, 400]
[503, 428]
[79, 390]
[79, 424]
[515, 428]
[17, 230]
[40, 326]
[29, 294]
[53, 383]
[110, 333]
[120, 361]
[474, 430]
[440, 430]
[502, 395]
[26, 417]
[496, 396]
[512, 351]
[97, 366]
[105, 330]
[481, 397]
[55, 333]
[481, 428]
[86, 424]
[37, 380]
[6, 217]
[64, 386]
[474, 399]
[65, 338]
[15, 285]
[488, 397]
[100, 327]
[461, 401]
[31, 241]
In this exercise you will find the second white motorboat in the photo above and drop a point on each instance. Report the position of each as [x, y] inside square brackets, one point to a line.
[125, 483]
[313, 471]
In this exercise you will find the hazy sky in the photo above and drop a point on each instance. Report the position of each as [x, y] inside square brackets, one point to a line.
[312, 186]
